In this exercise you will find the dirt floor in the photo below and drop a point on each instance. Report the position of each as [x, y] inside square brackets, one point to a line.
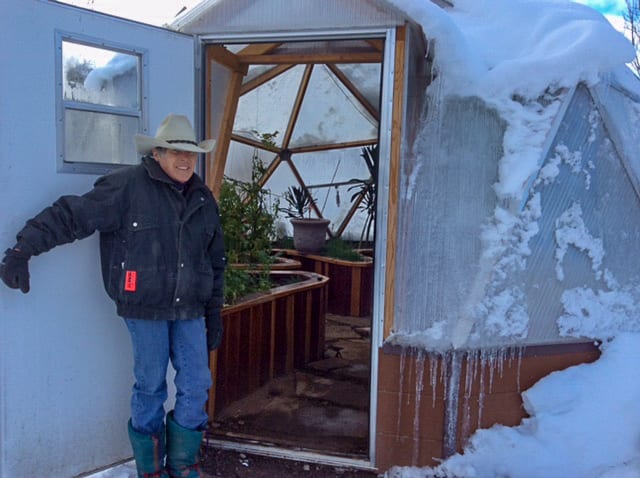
[322, 408]
[231, 464]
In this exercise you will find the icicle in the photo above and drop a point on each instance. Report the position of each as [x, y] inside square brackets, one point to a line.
[481, 367]
[519, 354]
[451, 404]
[433, 376]
[420, 358]
[403, 356]
[472, 360]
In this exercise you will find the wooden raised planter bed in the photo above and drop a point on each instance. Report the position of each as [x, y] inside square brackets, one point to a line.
[350, 282]
[280, 264]
[267, 335]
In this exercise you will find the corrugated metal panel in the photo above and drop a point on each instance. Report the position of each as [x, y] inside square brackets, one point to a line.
[243, 16]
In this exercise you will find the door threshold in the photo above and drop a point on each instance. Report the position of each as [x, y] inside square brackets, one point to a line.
[288, 454]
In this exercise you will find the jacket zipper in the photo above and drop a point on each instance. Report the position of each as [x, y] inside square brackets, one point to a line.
[180, 264]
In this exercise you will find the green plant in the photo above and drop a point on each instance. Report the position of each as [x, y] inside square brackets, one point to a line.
[340, 249]
[298, 202]
[366, 190]
[248, 222]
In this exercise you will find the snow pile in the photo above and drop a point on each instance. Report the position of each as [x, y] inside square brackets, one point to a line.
[529, 47]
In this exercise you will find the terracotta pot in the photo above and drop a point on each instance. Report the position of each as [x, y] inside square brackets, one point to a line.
[309, 234]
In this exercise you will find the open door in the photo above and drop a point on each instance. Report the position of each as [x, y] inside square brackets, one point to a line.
[78, 360]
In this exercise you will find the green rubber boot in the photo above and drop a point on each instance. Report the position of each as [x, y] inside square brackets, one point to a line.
[148, 451]
[183, 450]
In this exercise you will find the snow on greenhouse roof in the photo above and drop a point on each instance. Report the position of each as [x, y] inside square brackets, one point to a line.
[498, 48]
[501, 50]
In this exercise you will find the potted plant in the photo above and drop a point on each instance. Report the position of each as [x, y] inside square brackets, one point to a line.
[309, 234]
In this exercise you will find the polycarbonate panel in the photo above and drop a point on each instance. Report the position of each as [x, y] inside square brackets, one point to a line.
[366, 78]
[594, 188]
[239, 160]
[318, 169]
[279, 15]
[327, 107]
[574, 235]
[254, 70]
[621, 116]
[446, 196]
[268, 108]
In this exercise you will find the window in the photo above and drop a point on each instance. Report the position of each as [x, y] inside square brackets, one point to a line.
[100, 104]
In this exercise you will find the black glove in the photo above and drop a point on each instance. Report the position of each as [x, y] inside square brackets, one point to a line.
[14, 269]
[213, 320]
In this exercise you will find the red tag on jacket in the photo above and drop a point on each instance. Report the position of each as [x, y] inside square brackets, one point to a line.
[130, 278]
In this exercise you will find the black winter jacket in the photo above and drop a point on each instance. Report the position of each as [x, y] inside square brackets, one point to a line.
[162, 250]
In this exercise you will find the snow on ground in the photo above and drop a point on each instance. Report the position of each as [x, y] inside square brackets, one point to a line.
[584, 421]
[125, 470]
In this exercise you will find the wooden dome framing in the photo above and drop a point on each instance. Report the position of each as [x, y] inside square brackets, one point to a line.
[282, 57]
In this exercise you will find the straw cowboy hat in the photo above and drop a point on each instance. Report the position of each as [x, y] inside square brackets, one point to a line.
[175, 132]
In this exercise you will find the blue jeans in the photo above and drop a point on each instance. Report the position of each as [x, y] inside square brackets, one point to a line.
[154, 343]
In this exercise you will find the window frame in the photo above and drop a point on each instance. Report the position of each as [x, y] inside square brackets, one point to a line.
[62, 105]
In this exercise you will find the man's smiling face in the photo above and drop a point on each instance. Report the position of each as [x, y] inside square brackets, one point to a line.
[179, 165]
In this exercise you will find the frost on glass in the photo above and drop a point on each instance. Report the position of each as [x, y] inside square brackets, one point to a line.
[99, 76]
[112, 146]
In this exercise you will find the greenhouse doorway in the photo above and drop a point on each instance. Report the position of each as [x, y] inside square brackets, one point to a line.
[309, 112]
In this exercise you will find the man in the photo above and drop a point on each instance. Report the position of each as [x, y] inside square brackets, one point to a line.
[163, 261]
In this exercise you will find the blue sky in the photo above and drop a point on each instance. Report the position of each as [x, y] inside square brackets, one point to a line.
[606, 7]
[613, 10]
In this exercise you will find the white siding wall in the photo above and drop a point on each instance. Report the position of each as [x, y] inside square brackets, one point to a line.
[65, 360]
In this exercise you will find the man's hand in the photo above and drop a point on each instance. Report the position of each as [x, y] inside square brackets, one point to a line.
[214, 328]
[14, 269]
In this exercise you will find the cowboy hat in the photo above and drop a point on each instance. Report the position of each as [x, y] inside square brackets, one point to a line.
[175, 132]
